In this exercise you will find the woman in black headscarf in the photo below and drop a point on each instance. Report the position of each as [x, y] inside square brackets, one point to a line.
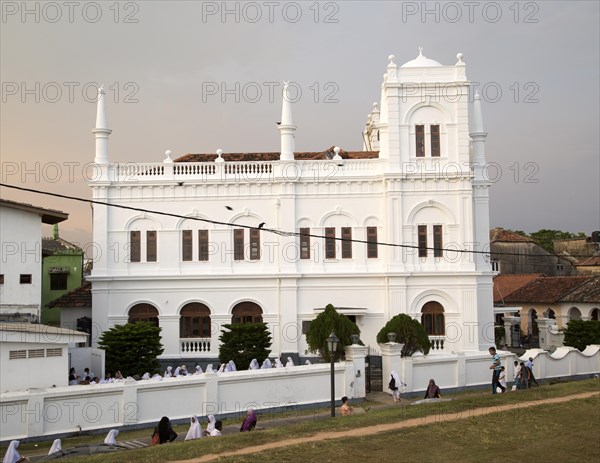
[165, 431]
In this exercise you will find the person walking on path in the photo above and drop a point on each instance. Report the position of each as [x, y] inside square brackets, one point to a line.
[496, 367]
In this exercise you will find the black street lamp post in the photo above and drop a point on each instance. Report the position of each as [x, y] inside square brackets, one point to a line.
[332, 342]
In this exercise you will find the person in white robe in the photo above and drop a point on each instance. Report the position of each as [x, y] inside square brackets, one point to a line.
[210, 427]
[266, 364]
[146, 376]
[12, 455]
[254, 365]
[198, 370]
[177, 371]
[209, 368]
[278, 363]
[168, 372]
[290, 362]
[195, 431]
[308, 362]
[56, 447]
[111, 437]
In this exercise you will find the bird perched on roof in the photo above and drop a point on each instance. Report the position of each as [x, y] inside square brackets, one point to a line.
[260, 225]
[229, 208]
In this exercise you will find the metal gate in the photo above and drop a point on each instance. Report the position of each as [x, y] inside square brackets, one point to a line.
[374, 373]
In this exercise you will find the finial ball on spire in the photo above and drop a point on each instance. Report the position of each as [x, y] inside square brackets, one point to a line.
[219, 152]
[391, 58]
[337, 150]
[168, 153]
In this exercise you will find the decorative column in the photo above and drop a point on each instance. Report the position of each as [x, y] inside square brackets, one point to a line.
[509, 328]
[391, 355]
[355, 371]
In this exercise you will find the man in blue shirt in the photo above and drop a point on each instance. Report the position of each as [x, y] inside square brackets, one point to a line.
[496, 367]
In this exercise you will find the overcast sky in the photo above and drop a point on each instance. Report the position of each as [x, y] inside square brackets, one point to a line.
[195, 76]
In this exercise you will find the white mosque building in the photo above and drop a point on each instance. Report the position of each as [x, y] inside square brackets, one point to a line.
[275, 237]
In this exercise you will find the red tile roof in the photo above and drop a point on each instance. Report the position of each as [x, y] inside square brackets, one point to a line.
[546, 289]
[507, 236]
[80, 297]
[587, 292]
[595, 260]
[505, 285]
[304, 156]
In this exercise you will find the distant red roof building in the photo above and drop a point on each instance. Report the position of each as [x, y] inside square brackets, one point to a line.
[505, 285]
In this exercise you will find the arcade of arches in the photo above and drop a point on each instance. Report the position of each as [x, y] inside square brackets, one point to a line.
[195, 317]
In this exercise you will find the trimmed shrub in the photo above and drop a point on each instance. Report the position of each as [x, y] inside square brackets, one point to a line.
[244, 342]
[582, 333]
[321, 327]
[409, 332]
[132, 349]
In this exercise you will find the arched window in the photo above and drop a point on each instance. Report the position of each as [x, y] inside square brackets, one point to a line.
[533, 326]
[246, 312]
[574, 313]
[143, 313]
[595, 314]
[432, 319]
[550, 314]
[194, 321]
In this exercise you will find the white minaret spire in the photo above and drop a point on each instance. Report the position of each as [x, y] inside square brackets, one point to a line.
[481, 185]
[101, 132]
[478, 135]
[286, 127]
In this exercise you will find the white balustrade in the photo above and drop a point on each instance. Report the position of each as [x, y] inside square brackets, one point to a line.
[195, 345]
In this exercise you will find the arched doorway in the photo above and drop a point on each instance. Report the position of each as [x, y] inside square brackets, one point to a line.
[595, 314]
[246, 312]
[432, 319]
[143, 313]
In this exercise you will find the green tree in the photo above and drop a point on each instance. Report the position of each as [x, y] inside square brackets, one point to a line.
[327, 322]
[132, 349]
[545, 237]
[582, 333]
[409, 332]
[244, 342]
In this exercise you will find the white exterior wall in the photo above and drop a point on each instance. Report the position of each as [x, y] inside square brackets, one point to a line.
[394, 193]
[65, 409]
[21, 233]
[103, 406]
[35, 372]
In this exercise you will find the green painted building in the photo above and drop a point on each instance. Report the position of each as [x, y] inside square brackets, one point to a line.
[62, 271]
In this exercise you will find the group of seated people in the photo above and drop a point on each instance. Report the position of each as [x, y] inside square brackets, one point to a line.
[164, 432]
[89, 378]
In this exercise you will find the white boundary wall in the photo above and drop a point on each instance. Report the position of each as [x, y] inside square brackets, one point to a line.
[453, 371]
[48, 412]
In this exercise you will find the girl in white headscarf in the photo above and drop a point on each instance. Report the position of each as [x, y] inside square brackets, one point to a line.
[308, 362]
[222, 367]
[146, 376]
[278, 363]
[198, 370]
[230, 366]
[290, 362]
[111, 437]
[12, 455]
[168, 373]
[195, 431]
[210, 427]
[397, 384]
[56, 447]
[209, 368]
[177, 370]
[267, 364]
[254, 365]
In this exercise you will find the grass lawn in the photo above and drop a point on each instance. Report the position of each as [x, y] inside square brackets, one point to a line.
[451, 438]
[566, 432]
